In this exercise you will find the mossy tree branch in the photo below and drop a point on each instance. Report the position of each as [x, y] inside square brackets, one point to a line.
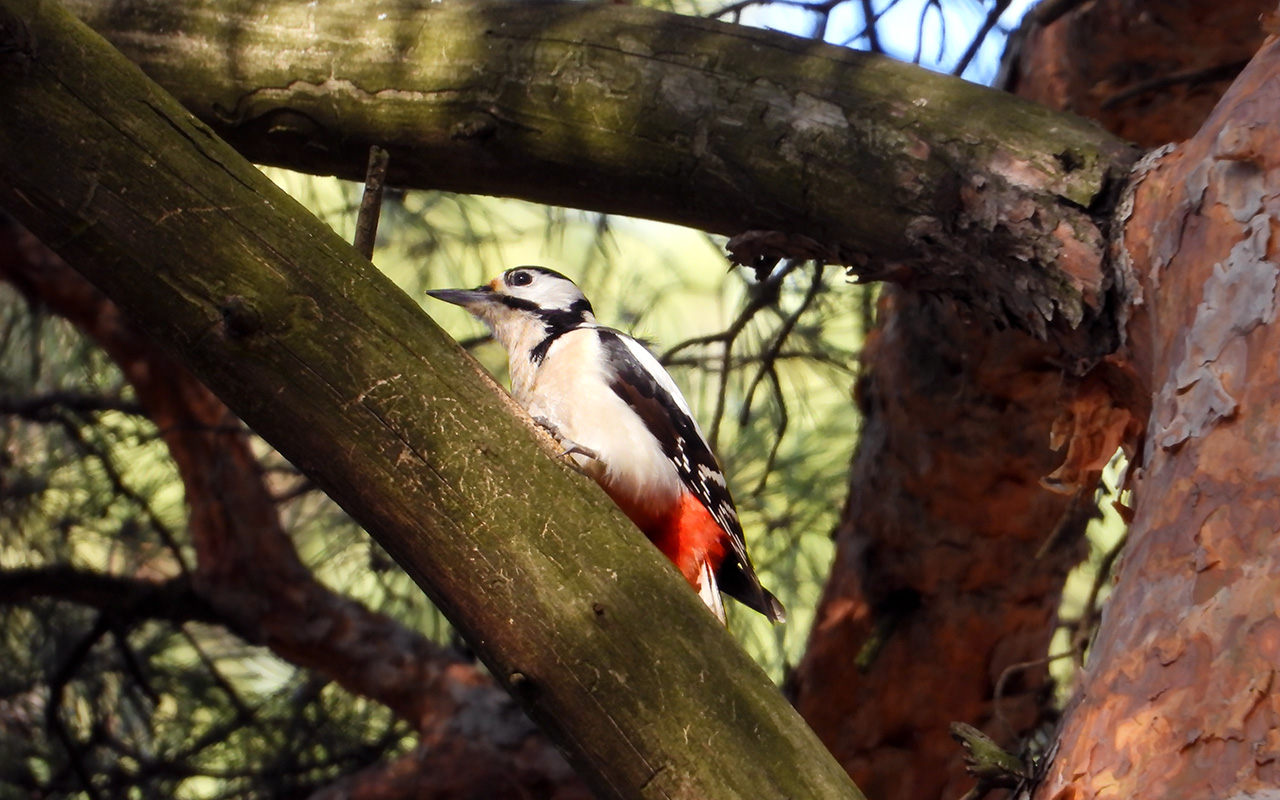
[857, 159]
[346, 376]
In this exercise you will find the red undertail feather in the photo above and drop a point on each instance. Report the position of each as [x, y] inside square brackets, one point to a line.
[691, 539]
[694, 542]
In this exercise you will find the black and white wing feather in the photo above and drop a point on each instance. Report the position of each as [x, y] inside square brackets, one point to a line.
[645, 386]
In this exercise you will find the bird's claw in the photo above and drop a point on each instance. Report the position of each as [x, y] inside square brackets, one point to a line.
[570, 447]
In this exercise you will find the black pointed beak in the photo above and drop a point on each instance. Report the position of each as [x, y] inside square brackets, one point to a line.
[464, 297]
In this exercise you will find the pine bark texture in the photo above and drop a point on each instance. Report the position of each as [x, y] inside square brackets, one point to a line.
[1179, 698]
[329, 362]
[940, 584]
[912, 552]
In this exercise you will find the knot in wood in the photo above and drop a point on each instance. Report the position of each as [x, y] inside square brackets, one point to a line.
[239, 318]
[477, 126]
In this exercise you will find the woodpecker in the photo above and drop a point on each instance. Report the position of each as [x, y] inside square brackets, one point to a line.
[619, 415]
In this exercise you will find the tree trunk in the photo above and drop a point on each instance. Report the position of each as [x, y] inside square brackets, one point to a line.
[1149, 72]
[328, 361]
[951, 555]
[1161, 65]
[1178, 700]
[1152, 72]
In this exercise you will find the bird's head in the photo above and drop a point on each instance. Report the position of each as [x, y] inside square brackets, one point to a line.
[524, 304]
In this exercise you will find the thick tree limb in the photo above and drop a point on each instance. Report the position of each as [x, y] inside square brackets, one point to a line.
[346, 377]
[860, 160]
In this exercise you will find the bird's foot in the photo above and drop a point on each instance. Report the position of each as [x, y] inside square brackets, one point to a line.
[570, 447]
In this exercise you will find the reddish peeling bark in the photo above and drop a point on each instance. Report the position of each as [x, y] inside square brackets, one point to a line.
[1179, 698]
[248, 574]
[1150, 72]
[940, 584]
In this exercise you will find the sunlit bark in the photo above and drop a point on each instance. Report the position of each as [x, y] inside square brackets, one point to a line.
[951, 554]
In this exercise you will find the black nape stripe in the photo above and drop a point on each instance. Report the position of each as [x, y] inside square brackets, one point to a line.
[559, 322]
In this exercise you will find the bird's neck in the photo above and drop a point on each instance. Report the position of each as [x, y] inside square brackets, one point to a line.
[528, 341]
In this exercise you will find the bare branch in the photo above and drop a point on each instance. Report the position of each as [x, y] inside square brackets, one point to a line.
[114, 597]
[44, 408]
[993, 17]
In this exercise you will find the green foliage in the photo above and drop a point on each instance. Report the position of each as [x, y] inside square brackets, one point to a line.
[129, 707]
[1089, 584]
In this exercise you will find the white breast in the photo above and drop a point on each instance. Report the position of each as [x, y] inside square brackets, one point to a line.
[571, 389]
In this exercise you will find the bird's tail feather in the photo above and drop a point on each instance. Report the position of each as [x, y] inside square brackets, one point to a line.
[709, 590]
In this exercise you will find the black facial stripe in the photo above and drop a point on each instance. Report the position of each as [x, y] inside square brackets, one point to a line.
[559, 322]
[540, 349]
[579, 309]
[518, 303]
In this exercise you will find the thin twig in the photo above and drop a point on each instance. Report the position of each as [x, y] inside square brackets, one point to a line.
[780, 338]
[942, 22]
[1089, 613]
[762, 295]
[993, 16]
[120, 637]
[869, 20]
[735, 9]
[784, 421]
[57, 687]
[371, 203]
[116, 479]
[815, 356]
[243, 712]
[1007, 673]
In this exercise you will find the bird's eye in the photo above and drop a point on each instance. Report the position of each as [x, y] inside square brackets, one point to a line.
[519, 279]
